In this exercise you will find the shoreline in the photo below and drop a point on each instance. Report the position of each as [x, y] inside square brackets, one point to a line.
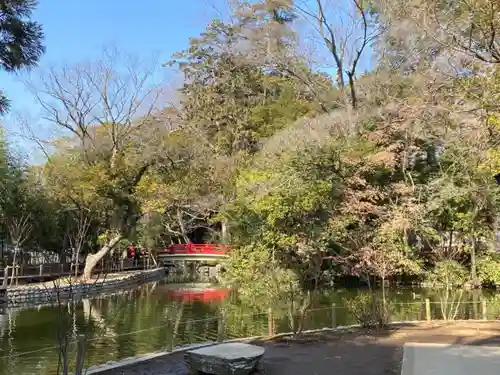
[349, 350]
[33, 295]
[113, 365]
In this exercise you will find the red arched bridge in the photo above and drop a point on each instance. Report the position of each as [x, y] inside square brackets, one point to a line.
[192, 251]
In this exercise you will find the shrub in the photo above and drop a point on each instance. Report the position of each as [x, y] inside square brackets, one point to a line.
[369, 311]
[488, 269]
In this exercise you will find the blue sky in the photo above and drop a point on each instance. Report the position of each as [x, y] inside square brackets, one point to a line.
[76, 30]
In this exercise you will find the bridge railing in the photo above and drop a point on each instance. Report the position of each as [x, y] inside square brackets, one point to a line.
[190, 248]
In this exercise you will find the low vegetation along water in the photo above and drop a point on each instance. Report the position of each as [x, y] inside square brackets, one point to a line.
[157, 316]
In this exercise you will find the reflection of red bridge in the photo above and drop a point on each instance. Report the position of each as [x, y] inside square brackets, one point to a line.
[206, 295]
[192, 251]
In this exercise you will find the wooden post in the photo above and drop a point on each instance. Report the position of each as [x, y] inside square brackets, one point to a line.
[170, 339]
[41, 269]
[334, 315]
[484, 311]
[80, 355]
[427, 309]
[6, 277]
[270, 322]
[207, 326]
[220, 326]
[3, 287]
[3, 296]
[190, 331]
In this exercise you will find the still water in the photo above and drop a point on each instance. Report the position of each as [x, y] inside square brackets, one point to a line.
[158, 316]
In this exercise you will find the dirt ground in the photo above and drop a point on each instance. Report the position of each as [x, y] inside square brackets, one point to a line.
[358, 352]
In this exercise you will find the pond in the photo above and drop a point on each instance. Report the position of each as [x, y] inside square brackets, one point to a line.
[158, 316]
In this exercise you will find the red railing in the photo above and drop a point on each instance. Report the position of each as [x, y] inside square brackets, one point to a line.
[191, 248]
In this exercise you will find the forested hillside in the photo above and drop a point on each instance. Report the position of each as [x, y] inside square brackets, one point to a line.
[319, 140]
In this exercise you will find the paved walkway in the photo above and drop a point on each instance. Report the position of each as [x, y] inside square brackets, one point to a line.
[348, 353]
[443, 359]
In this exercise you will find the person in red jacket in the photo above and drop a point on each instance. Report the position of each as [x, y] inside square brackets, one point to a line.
[131, 251]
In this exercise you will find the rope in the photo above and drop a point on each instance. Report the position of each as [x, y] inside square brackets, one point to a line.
[30, 352]
[150, 328]
[193, 321]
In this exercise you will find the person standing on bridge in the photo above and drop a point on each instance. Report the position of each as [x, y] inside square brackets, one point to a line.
[137, 255]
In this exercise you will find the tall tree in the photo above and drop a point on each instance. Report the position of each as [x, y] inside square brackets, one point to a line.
[441, 35]
[106, 108]
[232, 100]
[347, 33]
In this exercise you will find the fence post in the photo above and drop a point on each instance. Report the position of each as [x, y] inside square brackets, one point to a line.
[41, 269]
[80, 354]
[270, 322]
[170, 341]
[190, 332]
[484, 311]
[427, 309]
[334, 315]
[220, 326]
[3, 286]
[6, 277]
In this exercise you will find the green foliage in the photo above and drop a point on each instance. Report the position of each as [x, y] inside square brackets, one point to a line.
[261, 143]
[231, 99]
[21, 39]
[368, 311]
[449, 273]
[259, 279]
[488, 269]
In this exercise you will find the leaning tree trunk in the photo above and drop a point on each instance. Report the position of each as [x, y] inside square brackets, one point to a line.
[92, 259]
[180, 222]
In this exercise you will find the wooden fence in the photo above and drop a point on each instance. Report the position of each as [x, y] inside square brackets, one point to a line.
[25, 273]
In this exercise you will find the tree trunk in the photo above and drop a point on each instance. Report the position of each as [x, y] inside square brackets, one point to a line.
[14, 263]
[383, 291]
[225, 232]
[352, 91]
[473, 263]
[180, 222]
[92, 259]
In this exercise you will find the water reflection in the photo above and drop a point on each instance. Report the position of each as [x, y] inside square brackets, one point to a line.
[158, 316]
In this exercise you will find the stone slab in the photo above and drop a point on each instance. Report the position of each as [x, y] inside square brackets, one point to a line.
[445, 359]
[225, 359]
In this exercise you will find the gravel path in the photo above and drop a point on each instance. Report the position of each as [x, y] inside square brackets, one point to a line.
[347, 353]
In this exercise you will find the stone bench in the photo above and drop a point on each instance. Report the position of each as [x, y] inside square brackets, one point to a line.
[224, 359]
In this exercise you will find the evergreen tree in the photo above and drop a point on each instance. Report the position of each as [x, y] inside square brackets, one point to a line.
[21, 39]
